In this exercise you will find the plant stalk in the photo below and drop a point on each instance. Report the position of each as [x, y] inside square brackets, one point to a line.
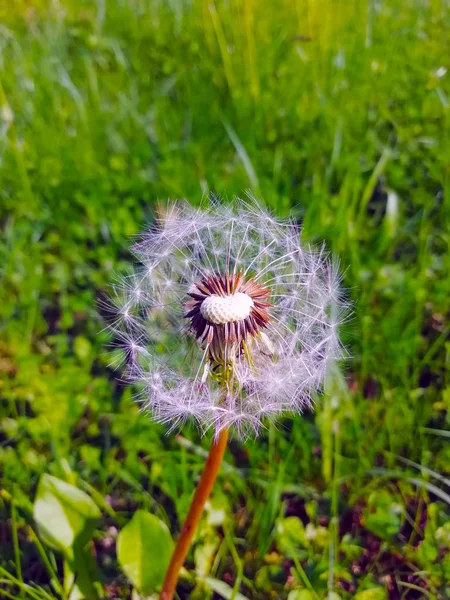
[201, 495]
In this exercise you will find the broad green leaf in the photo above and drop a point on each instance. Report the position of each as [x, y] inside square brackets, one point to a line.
[144, 548]
[65, 516]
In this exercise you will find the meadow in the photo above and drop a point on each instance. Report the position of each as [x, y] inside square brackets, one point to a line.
[333, 112]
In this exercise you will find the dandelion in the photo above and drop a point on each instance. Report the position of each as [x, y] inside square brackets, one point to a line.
[228, 321]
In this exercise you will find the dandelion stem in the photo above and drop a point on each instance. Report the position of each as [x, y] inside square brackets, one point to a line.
[201, 495]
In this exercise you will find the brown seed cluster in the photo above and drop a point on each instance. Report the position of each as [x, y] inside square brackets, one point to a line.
[223, 339]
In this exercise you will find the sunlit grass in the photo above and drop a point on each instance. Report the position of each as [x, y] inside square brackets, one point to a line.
[335, 112]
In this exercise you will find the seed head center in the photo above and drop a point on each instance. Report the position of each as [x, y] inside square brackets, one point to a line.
[226, 309]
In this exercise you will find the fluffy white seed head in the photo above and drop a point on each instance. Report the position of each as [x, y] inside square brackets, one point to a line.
[228, 319]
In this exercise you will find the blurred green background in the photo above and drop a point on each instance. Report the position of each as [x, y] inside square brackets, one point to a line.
[335, 112]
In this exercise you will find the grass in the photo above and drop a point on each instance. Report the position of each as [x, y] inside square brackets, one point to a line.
[335, 112]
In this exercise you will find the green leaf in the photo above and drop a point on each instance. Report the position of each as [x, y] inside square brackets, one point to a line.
[82, 576]
[350, 548]
[82, 347]
[377, 593]
[223, 589]
[65, 516]
[291, 535]
[300, 595]
[382, 515]
[269, 577]
[204, 554]
[144, 548]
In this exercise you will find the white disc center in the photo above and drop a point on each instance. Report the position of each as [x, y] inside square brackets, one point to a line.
[226, 309]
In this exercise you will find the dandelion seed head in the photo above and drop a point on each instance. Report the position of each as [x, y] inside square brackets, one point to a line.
[229, 319]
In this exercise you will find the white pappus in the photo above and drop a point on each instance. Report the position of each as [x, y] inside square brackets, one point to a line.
[228, 319]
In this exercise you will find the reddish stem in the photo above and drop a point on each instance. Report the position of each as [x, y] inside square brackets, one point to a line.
[201, 495]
